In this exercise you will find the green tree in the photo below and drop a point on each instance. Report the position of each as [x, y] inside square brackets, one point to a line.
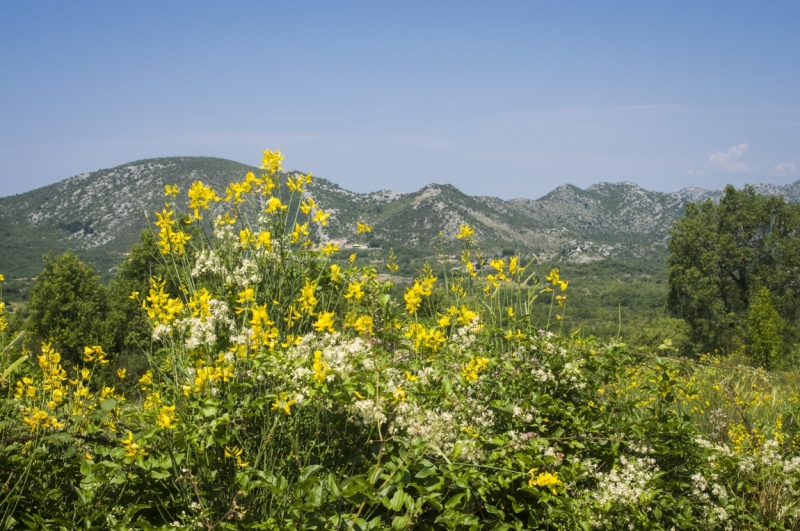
[722, 254]
[764, 327]
[131, 330]
[69, 306]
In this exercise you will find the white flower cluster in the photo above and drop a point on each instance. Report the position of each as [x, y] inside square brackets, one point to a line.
[625, 484]
[207, 262]
[572, 376]
[202, 331]
[465, 335]
[370, 412]
[520, 441]
[526, 416]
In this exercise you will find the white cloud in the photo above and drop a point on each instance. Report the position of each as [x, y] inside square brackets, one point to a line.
[728, 160]
[695, 173]
[784, 168]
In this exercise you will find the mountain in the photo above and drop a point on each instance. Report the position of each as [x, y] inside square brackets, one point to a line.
[99, 215]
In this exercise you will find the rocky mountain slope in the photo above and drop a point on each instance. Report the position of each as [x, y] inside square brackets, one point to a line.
[100, 215]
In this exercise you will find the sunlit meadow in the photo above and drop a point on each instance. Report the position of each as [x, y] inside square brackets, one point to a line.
[290, 387]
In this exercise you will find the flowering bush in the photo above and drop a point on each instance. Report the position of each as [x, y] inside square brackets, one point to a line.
[289, 389]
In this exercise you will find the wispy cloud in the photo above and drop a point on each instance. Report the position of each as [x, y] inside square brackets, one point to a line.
[784, 168]
[695, 173]
[729, 160]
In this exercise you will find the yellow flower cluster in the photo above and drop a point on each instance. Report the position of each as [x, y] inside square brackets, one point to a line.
[471, 371]
[422, 287]
[160, 307]
[465, 232]
[324, 322]
[207, 375]
[37, 419]
[94, 353]
[264, 330]
[167, 418]
[131, 448]
[283, 403]
[235, 453]
[3, 321]
[545, 479]
[320, 368]
[432, 339]
[170, 238]
[200, 197]
[555, 279]
[463, 316]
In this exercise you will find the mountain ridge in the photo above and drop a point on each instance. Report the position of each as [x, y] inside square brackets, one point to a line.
[100, 214]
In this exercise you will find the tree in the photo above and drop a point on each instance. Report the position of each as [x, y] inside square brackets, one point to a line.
[69, 306]
[131, 330]
[721, 255]
[764, 327]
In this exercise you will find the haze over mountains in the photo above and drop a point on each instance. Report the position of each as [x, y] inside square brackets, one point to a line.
[99, 215]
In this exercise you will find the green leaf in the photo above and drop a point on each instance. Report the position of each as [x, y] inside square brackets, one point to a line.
[455, 500]
[400, 522]
[425, 472]
[108, 404]
[307, 471]
[396, 503]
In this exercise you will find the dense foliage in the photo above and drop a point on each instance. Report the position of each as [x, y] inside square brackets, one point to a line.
[723, 255]
[286, 389]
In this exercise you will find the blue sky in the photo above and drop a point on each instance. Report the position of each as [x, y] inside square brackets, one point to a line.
[498, 98]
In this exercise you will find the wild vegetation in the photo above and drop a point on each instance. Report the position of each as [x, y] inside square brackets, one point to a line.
[236, 374]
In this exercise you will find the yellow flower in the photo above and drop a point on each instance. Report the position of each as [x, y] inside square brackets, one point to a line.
[330, 248]
[146, 379]
[320, 367]
[499, 264]
[471, 370]
[352, 258]
[236, 454]
[364, 325]
[321, 218]
[264, 240]
[283, 403]
[391, 264]
[513, 265]
[545, 479]
[134, 295]
[512, 335]
[324, 322]
[274, 205]
[166, 418]
[399, 395]
[307, 299]
[465, 232]
[200, 196]
[272, 160]
[2, 278]
[131, 448]
[171, 190]
[307, 206]
[295, 184]
[299, 230]
[335, 272]
[510, 311]
[354, 293]
[410, 377]
[363, 227]
[121, 373]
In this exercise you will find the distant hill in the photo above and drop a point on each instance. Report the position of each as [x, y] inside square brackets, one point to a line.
[100, 215]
